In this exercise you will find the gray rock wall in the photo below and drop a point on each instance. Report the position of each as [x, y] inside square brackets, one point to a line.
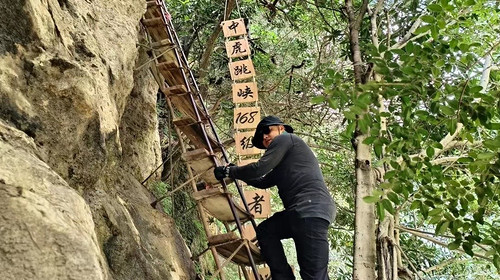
[78, 133]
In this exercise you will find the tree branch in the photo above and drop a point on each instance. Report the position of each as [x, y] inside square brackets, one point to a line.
[326, 22]
[344, 229]
[362, 12]
[442, 265]
[373, 21]
[322, 139]
[211, 42]
[445, 142]
[435, 241]
[354, 26]
[331, 149]
[408, 35]
[444, 160]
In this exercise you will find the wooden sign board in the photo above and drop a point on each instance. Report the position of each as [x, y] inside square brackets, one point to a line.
[234, 27]
[246, 117]
[248, 232]
[212, 226]
[242, 184]
[244, 144]
[259, 203]
[237, 48]
[264, 273]
[245, 92]
[241, 70]
[247, 161]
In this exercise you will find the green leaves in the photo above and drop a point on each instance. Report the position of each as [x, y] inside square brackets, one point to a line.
[317, 99]
[429, 86]
[435, 8]
[422, 29]
[428, 19]
[492, 144]
[441, 227]
[454, 245]
[393, 197]
[430, 152]
[380, 211]
[435, 212]
[447, 111]
[371, 199]
[496, 261]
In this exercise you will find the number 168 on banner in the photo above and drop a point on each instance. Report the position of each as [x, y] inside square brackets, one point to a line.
[246, 117]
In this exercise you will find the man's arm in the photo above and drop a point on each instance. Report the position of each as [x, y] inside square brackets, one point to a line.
[262, 182]
[271, 158]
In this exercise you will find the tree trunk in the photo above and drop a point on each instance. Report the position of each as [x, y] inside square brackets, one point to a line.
[387, 250]
[364, 232]
[212, 40]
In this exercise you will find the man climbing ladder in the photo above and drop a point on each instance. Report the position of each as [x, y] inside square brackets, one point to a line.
[289, 164]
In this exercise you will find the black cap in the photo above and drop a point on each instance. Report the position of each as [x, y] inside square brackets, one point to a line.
[267, 121]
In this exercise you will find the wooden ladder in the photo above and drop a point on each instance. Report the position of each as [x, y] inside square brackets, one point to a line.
[202, 148]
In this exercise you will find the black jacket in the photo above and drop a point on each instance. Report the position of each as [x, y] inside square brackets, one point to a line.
[289, 164]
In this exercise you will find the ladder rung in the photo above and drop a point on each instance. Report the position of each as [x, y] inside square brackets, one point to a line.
[215, 201]
[196, 155]
[153, 22]
[179, 89]
[151, 3]
[183, 122]
[162, 43]
[222, 238]
[202, 163]
[227, 244]
[169, 66]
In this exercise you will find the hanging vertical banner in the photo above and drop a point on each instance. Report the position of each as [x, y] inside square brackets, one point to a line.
[246, 117]
[244, 144]
[237, 48]
[248, 232]
[259, 203]
[245, 92]
[265, 273]
[242, 69]
[234, 27]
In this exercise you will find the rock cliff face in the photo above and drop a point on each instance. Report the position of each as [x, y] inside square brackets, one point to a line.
[78, 133]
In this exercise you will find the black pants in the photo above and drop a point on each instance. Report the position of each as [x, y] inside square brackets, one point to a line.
[311, 243]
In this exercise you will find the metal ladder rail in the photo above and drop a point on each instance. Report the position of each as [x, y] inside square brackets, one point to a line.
[190, 173]
[212, 154]
[200, 97]
[170, 32]
[199, 206]
[238, 186]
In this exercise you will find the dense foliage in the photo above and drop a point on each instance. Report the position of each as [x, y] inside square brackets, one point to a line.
[431, 87]
[425, 69]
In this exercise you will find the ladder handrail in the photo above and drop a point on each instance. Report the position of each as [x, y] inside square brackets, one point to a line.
[207, 115]
[200, 97]
[182, 61]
